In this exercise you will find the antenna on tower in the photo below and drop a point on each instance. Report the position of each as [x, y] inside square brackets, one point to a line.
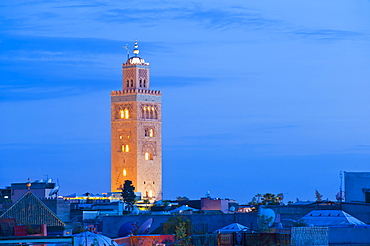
[128, 51]
[340, 196]
[341, 180]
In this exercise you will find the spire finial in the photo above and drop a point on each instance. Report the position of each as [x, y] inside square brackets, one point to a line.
[136, 50]
[29, 184]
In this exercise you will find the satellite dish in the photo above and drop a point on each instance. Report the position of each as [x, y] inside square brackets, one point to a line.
[50, 180]
[54, 191]
[145, 227]
[340, 196]
[266, 214]
[127, 229]
[135, 210]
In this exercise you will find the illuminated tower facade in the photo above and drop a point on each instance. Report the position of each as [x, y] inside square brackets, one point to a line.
[136, 128]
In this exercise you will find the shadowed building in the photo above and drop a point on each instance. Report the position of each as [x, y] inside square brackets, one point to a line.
[136, 120]
[357, 186]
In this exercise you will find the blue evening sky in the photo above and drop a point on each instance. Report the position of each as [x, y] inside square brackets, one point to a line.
[258, 96]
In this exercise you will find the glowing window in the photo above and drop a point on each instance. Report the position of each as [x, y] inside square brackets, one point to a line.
[149, 132]
[150, 193]
[125, 148]
[126, 114]
[120, 137]
[148, 156]
[124, 172]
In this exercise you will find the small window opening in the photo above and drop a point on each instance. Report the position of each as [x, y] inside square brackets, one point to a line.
[148, 156]
[125, 148]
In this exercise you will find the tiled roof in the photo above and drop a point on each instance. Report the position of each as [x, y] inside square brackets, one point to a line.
[234, 227]
[331, 218]
[29, 210]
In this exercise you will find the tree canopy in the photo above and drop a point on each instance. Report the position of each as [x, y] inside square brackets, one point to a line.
[128, 195]
[267, 199]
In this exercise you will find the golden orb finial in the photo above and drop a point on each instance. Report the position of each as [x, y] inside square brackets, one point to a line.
[136, 50]
[29, 184]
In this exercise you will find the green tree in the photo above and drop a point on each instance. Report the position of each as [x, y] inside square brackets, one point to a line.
[128, 195]
[299, 223]
[182, 198]
[270, 199]
[263, 222]
[146, 202]
[267, 199]
[181, 235]
[170, 226]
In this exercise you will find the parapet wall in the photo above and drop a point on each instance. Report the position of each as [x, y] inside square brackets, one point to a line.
[135, 91]
[310, 236]
[207, 223]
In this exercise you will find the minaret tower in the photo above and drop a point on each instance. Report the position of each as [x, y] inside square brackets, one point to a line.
[136, 119]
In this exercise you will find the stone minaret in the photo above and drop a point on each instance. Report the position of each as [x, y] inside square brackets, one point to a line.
[136, 119]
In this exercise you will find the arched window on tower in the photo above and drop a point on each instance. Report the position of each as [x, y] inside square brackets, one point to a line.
[144, 83]
[149, 132]
[141, 83]
[123, 112]
[128, 83]
[149, 112]
[148, 156]
[125, 148]
[132, 83]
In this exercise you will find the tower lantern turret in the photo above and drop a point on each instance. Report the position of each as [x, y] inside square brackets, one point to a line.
[135, 72]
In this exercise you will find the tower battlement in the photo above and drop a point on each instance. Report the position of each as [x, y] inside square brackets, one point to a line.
[136, 91]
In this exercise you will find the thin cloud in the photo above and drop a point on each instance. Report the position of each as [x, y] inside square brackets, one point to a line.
[327, 34]
[228, 18]
[82, 6]
[362, 147]
[32, 93]
[129, 15]
[283, 127]
[178, 81]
